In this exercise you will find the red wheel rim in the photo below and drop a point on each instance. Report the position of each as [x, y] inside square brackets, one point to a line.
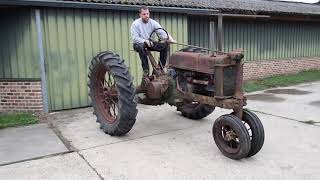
[106, 96]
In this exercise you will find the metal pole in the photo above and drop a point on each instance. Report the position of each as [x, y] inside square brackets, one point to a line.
[220, 33]
[42, 65]
[212, 42]
[190, 46]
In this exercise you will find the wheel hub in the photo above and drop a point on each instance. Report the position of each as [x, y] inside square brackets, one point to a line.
[230, 135]
[106, 95]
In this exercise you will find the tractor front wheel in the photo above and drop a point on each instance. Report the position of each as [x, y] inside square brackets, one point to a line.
[231, 136]
[255, 130]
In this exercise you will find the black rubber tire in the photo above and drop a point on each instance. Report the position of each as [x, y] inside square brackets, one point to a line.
[241, 131]
[257, 130]
[190, 110]
[195, 50]
[126, 106]
[195, 111]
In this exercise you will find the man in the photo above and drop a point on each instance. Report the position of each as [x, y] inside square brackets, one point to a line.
[140, 32]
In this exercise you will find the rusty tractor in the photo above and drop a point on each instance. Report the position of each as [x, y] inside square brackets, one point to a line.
[195, 81]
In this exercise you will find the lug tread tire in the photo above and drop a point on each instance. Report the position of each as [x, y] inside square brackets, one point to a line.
[127, 107]
[242, 133]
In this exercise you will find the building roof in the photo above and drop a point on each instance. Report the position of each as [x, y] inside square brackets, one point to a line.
[265, 7]
[230, 6]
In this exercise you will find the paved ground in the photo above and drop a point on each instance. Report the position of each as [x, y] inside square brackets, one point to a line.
[19, 144]
[164, 145]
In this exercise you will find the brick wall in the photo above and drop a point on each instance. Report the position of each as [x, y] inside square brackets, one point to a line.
[20, 96]
[260, 69]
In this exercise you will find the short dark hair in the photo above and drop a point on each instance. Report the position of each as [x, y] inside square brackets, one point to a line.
[143, 8]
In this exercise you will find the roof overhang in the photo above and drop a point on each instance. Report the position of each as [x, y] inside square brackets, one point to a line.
[92, 5]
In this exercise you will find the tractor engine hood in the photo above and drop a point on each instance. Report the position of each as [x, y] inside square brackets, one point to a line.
[203, 63]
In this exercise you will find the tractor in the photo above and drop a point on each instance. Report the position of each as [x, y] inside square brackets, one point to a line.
[195, 80]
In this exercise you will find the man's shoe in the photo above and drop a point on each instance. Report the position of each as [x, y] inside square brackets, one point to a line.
[145, 73]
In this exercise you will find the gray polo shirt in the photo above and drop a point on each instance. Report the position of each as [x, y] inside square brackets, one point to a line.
[141, 31]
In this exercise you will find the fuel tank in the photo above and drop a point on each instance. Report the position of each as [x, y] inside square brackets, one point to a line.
[199, 62]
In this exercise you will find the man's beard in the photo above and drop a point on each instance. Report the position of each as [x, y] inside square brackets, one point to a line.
[145, 21]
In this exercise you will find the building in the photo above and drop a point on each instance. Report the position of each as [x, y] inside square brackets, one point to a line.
[47, 45]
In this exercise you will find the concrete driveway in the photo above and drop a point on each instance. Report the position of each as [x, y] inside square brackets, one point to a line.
[165, 145]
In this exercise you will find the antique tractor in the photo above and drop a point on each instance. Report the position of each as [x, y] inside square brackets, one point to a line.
[196, 81]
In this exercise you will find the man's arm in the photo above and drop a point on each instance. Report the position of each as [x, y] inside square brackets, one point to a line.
[162, 33]
[135, 34]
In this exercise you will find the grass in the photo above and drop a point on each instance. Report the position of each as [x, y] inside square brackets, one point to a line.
[17, 119]
[282, 80]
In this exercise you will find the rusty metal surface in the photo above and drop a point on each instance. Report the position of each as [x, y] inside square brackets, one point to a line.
[157, 69]
[230, 103]
[239, 81]
[198, 62]
[157, 87]
[218, 82]
[106, 95]
[228, 77]
[236, 55]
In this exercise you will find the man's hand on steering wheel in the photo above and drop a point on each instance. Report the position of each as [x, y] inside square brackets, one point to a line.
[164, 38]
[148, 43]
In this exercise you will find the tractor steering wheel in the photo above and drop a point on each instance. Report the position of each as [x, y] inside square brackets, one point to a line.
[159, 39]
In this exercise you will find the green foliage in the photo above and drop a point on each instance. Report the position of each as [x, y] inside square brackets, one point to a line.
[282, 80]
[17, 119]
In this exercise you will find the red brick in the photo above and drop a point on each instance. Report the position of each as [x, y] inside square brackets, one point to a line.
[35, 83]
[258, 69]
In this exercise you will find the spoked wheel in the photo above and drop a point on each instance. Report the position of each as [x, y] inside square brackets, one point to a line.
[255, 130]
[107, 95]
[112, 93]
[194, 110]
[231, 136]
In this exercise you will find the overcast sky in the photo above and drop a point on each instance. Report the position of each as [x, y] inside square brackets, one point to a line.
[307, 1]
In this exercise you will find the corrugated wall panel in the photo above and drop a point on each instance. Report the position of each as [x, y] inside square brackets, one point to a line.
[74, 36]
[18, 44]
[261, 40]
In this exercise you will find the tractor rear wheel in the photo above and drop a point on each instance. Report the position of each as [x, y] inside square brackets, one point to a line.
[194, 110]
[112, 92]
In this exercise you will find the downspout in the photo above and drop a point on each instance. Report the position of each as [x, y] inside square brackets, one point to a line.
[41, 61]
[220, 33]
